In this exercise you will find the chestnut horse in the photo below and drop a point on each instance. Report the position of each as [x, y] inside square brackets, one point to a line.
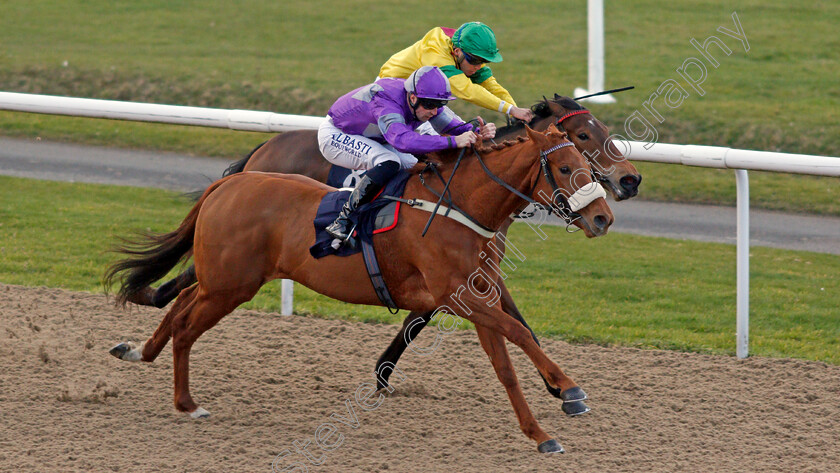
[250, 228]
[297, 153]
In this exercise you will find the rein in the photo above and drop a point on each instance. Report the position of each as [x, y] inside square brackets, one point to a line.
[445, 191]
[566, 212]
[450, 205]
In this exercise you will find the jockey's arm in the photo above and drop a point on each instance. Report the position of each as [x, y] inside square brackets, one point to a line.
[401, 136]
[489, 94]
[464, 88]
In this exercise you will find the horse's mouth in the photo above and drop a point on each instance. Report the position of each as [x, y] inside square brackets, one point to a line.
[624, 188]
[597, 226]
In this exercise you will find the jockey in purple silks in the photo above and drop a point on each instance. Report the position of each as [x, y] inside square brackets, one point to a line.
[373, 128]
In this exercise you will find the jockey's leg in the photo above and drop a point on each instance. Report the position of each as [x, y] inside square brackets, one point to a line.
[381, 163]
[366, 189]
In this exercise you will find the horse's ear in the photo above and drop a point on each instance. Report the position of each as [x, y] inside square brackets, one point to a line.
[556, 96]
[553, 129]
[535, 136]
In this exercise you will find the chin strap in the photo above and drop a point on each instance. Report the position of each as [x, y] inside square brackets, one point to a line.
[413, 105]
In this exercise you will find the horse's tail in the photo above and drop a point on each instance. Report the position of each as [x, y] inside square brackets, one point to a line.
[239, 166]
[151, 256]
[235, 168]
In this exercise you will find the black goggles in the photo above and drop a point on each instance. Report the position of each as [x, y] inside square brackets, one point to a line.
[475, 60]
[431, 104]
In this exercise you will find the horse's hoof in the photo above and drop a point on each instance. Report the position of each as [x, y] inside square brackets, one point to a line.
[126, 351]
[573, 394]
[199, 413]
[550, 446]
[575, 408]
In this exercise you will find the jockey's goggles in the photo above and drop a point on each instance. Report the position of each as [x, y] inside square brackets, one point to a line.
[431, 104]
[475, 60]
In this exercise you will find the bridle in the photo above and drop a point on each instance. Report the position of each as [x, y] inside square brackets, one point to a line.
[562, 209]
[599, 176]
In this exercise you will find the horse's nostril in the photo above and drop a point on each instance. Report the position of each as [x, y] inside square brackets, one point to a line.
[630, 183]
[601, 221]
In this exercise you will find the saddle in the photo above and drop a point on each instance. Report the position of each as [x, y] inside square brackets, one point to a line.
[377, 216]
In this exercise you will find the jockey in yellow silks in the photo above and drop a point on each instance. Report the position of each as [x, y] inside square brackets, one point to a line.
[462, 55]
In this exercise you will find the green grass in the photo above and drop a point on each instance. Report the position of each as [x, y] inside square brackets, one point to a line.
[297, 57]
[618, 289]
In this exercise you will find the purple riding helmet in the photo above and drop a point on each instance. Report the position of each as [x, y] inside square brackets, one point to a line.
[429, 82]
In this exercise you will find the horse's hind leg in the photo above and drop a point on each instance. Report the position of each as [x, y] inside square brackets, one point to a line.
[412, 325]
[197, 317]
[151, 348]
[494, 344]
[158, 340]
[170, 290]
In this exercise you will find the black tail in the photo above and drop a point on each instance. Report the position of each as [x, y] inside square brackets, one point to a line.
[235, 168]
[238, 166]
[152, 256]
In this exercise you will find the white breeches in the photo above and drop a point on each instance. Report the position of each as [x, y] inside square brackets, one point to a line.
[357, 151]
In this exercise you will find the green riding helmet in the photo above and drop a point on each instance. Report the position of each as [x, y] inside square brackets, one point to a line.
[477, 39]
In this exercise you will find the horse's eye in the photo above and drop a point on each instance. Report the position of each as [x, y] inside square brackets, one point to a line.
[565, 170]
[583, 136]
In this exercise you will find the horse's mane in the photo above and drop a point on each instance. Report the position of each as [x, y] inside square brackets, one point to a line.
[487, 146]
[542, 110]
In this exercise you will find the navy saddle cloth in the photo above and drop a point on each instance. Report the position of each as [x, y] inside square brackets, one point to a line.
[364, 218]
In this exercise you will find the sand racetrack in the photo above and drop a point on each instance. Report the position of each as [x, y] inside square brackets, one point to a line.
[66, 405]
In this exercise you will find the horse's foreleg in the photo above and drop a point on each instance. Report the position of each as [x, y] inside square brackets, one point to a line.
[510, 308]
[494, 346]
[495, 319]
[412, 325]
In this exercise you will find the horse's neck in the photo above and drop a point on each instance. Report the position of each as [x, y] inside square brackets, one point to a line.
[512, 131]
[474, 192]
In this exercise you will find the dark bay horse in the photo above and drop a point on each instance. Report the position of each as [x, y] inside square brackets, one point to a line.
[297, 153]
[250, 228]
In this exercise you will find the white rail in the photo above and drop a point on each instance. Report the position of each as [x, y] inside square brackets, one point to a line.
[720, 157]
[741, 160]
[244, 120]
[691, 155]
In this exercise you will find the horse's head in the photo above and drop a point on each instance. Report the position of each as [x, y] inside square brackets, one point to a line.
[592, 138]
[566, 185]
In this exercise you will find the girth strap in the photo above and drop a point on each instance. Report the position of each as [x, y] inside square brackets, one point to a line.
[459, 217]
[376, 278]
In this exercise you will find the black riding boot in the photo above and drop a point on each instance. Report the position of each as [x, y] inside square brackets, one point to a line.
[364, 192]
